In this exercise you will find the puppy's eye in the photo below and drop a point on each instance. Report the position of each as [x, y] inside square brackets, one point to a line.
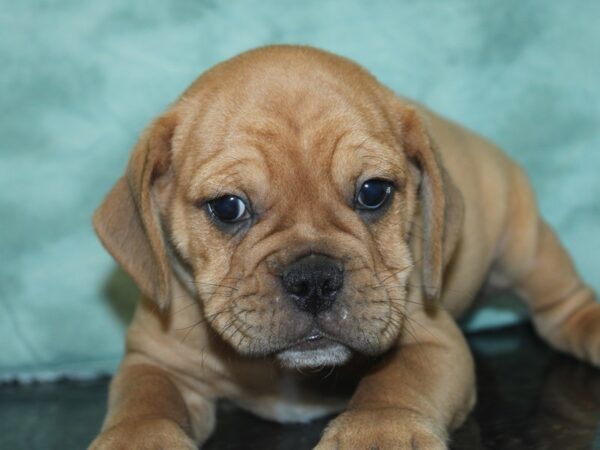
[373, 194]
[228, 208]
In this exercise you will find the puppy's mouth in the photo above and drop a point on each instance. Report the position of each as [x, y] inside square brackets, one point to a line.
[314, 351]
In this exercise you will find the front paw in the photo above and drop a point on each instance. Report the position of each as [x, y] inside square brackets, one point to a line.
[382, 429]
[156, 434]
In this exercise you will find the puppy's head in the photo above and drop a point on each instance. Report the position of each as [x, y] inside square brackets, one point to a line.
[282, 189]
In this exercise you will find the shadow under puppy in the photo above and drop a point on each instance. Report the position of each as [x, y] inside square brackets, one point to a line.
[288, 212]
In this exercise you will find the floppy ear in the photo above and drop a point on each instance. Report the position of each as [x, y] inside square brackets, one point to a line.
[127, 221]
[442, 204]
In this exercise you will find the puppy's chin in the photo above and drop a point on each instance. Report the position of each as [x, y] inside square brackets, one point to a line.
[308, 355]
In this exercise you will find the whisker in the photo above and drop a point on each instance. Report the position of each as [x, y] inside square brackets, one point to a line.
[331, 370]
[412, 320]
[208, 318]
[217, 285]
[396, 273]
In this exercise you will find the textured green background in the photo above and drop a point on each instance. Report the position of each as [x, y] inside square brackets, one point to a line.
[80, 79]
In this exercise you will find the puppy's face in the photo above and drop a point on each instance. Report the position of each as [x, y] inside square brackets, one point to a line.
[287, 201]
[291, 206]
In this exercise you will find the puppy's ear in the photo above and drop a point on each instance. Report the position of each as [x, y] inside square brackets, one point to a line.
[127, 221]
[442, 204]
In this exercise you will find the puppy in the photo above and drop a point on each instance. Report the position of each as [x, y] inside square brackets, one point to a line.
[288, 213]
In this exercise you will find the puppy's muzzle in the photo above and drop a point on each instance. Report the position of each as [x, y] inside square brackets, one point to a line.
[313, 283]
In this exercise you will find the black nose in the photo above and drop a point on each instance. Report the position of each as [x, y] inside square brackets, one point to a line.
[313, 282]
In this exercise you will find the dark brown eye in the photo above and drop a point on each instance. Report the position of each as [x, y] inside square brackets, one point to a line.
[373, 194]
[228, 208]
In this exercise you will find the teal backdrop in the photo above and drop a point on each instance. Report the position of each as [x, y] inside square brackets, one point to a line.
[81, 79]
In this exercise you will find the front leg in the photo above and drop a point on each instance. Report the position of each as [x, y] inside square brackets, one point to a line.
[421, 391]
[147, 411]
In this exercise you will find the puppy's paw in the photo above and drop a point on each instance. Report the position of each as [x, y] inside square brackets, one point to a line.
[381, 429]
[157, 434]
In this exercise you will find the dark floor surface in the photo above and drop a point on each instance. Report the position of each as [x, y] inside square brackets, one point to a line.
[529, 398]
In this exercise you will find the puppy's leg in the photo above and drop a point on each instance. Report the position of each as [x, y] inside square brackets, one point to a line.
[421, 391]
[533, 261]
[146, 411]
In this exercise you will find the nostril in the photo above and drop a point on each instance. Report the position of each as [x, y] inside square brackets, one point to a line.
[301, 288]
[332, 281]
[329, 287]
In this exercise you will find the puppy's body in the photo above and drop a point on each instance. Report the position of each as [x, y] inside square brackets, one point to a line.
[296, 132]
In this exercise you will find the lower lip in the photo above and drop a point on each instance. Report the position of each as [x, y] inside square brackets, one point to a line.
[313, 342]
[314, 351]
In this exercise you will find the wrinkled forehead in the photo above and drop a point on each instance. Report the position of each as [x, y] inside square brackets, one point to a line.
[295, 134]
